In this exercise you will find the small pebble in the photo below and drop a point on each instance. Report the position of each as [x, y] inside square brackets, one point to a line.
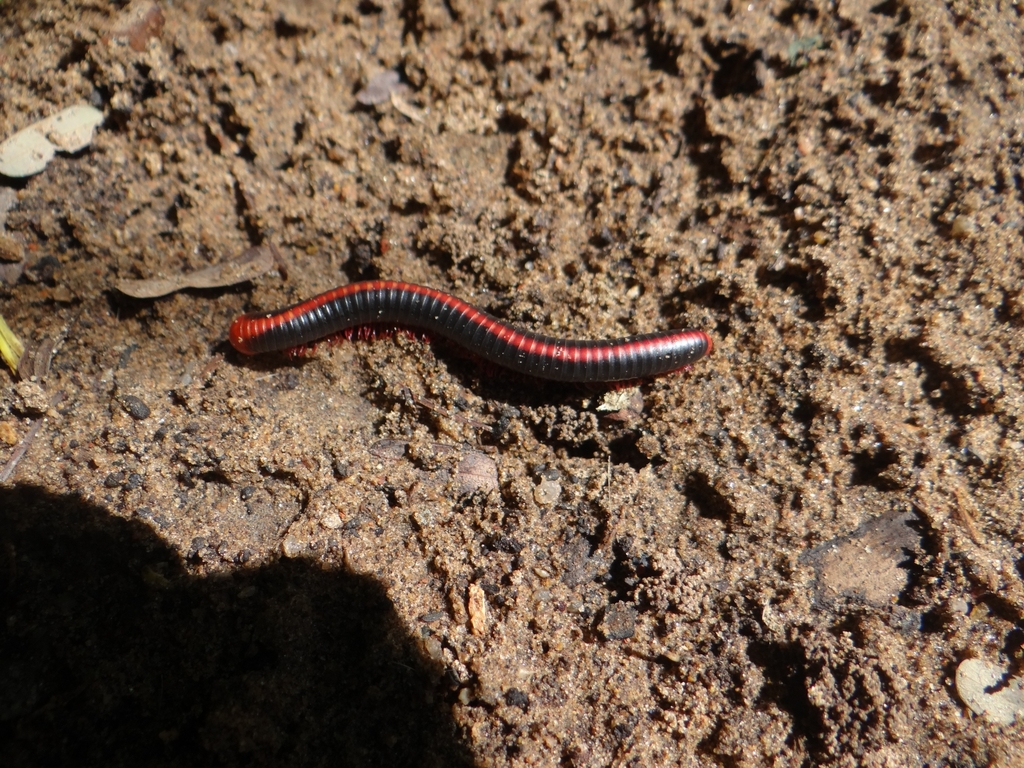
[424, 517]
[434, 648]
[378, 89]
[8, 434]
[621, 400]
[10, 249]
[963, 227]
[32, 396]
[291, 546]
[516, 698]
[619, 622]
[959, 605]
[546, 493]
[331, 521]
[138, 22]
[476, 605]
[135, 407]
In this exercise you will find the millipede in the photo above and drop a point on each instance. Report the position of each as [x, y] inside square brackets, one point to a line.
[388, 303]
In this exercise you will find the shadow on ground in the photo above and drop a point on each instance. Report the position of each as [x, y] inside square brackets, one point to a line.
[112, 654]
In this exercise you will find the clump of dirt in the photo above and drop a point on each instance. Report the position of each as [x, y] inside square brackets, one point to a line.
[385, 549]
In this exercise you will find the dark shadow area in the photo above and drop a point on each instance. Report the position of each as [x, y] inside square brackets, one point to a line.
[948, 387]
[708, 500]
[113, 654]
[786, 679]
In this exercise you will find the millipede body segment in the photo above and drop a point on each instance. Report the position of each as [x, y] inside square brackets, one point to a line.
[390, 303]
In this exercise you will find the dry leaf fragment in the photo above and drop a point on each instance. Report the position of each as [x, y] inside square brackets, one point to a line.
[35, 362]
[476, 472]
[249, 265]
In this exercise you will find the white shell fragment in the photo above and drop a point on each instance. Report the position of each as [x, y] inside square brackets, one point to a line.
[975, 681]
[25, 153]
[29, 150]
[71, 129]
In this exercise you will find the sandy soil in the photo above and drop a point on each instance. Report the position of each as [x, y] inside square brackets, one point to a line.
[386, 554]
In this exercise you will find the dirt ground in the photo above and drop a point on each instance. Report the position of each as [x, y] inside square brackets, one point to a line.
[387, 554]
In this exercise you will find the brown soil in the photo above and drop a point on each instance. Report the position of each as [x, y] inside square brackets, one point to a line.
[777, 558]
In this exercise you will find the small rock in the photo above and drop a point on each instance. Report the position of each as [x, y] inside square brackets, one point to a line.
[619, 622]
[10, 249]
[547, 492]
[331, 521]
[138, 22]
[433, 648]
[476, 605]
[8, 434]
[516, 698]
[134, 406]
[614, 400]
[291, 546]
[378, 89]
[962, 228]
[11, 273]
[33, 396]
[424, 516]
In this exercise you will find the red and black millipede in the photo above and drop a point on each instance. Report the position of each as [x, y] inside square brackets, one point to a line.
[389, 303]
